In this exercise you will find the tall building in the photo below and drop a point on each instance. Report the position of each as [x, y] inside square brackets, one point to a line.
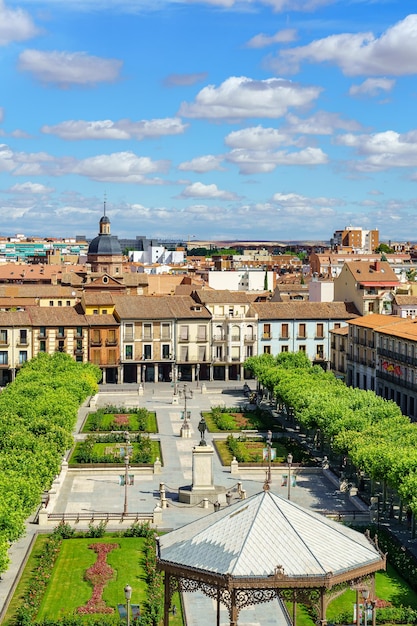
[104, 252]
[355, 239]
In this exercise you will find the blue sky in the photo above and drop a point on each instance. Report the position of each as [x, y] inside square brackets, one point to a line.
[208, 119]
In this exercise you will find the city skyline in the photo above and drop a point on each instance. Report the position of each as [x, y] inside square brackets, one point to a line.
[208, 119]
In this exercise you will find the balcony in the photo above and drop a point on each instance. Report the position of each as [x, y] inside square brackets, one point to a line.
[202, 339]
[129, 337]
[218, 338]
[96, 343]
[183, 339]
[397, 356]
[249, 338]
[284, 337]
[235, 338]
[43, 335]
[21, 343]
[61, 335]
[111, 342]
[266, 336]
[78, 351]
[396, 380]
[4, 343]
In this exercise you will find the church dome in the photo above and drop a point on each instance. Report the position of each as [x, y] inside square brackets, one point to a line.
[105, 245]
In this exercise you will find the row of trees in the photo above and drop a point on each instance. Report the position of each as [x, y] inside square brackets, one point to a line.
[370, 430]
[38, 412]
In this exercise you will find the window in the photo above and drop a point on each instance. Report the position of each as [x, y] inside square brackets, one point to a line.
[267, 332]
[111, 337]
[235, 353]
[235, 333]
[51, 303]
[201, 353]
[147, 351]
[59, 302]
[96, 357]
[61, 346]
[184, 353]
[42, 346]
[284, 348]
[267, 349]
[147, 331]
[320, 351]
[129, 352]
[320, 331]
[96, 339]
[128, 332]
[95, 311]
[3, 337]
[302, 348]
[201, 333]
[165, 350]
[79, 331]
[370, 307]
[249, 351]
[165, 331]
[302, 330]
[219, 353]
[23, 337]
[337, 325]
[68, 303]
[284, 331]
[61, 332]
[42, 331]
[112, 357]
[4, 358]
[79, 358]
[231, 311]
[79, 345]
[104, 312]
[183, 333]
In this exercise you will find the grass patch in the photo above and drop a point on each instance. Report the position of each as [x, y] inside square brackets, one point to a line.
[105, 422]
[250, 450]
[67, 589]
[99, 452]
[221, 419]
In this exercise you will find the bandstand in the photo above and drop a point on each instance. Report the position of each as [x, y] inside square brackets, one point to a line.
[263, 548]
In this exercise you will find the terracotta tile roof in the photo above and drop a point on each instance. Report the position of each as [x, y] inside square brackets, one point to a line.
[55, 316]
[101, 320]
[340, 331]
[305, 310]
[405, 300]
[159, 307]
[163, 284]
[14, 318]
[392, 325]
[99, 298]
[223, 296]
[36, 291]
[375, 320]
[363, 271]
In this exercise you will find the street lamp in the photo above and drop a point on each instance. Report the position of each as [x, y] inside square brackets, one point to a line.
[187, 395]
[289, 461]
[127, 439]
[197, 373]
[267, 484]
[128, 596]
[144, 376]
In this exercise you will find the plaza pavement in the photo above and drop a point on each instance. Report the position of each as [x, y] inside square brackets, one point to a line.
[103, 493]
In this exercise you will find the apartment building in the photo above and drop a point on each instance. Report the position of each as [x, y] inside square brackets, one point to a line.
[233, 331]
[382, 357]
[15, 343]
[338, 351]
[300, 326]
[369, 286]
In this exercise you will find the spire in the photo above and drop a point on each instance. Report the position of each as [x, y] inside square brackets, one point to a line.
[105, 201]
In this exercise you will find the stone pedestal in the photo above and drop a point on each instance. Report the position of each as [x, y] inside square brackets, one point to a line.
[175, 399]
[185, 430]
[203, 487]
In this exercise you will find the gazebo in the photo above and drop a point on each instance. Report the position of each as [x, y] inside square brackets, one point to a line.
[266, 547]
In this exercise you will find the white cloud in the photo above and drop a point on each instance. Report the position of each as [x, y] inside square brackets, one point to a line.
[200, 165]
[121, 167]
[282, 36]
[383, 150]
[257, 138]
[257, 161]
[199, 190]
[15, 25]
[75, 130]
[372, 87]
[69, 68]
[295, 205]
[321, 123]
[393, 53]
[29, 188]
[241, 97]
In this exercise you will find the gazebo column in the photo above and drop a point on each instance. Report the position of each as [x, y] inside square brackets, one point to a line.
[294, 608]
[218, 607]
[233, 609]
[323, 606]
[167, 597]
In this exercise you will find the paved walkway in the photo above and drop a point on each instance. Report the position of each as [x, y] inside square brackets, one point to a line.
[101, 492]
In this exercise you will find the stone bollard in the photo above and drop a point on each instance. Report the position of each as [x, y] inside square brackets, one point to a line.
[175, 398]
[43, 517]
[157, 466]
[157, 515]
[203, 388]
[243, 494]
[140, 390]
[234, 466]
[205, 503]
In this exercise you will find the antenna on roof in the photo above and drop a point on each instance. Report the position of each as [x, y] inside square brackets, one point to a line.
[105, 200]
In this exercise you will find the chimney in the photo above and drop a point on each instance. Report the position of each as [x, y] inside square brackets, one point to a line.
[377, 266]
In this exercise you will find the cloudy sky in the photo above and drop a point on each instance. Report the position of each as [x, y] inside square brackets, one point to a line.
[208, 119]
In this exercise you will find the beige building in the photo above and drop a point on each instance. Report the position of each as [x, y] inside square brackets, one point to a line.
[369, 286]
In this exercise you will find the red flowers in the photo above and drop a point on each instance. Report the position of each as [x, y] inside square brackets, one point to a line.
[99, 575]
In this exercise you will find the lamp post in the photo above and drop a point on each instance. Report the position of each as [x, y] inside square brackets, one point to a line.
[289, 461]
[127, 440]
[197, 373]
[268, 472]
[187, 394]
[128, 596]
[365, 596]
[144, 376]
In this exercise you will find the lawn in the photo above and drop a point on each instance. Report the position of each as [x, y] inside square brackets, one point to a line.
[105, 422]
[220, 419]
[68, 589]
[250, 450]
[107, 452]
